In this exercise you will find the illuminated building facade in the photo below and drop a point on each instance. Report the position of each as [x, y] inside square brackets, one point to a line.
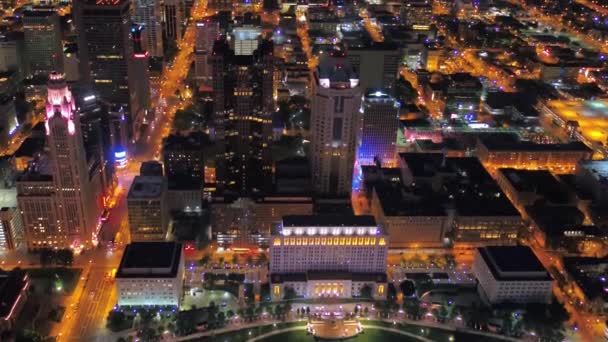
[511, 274]
[499, 152]
[105, 48]
[335, 125]
[42, 36]
[148, 208]
[148, 13]
[380, 126]
[207, 32]
[139, 82]
[11, 228]
[174, 17]
[151, 274]
[328, 256]
[244, 87]
[418, 14]
[59, 205]
[376, 64]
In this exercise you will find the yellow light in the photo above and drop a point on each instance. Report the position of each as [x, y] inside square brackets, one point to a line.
[382, 242]
[277, 241]
[380, 290]
[277, 290]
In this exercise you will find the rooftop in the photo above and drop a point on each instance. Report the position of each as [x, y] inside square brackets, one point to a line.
[328, 221]
[513, 263]
[540, 182]
[147, 187]
[495, 144]
[150, 259]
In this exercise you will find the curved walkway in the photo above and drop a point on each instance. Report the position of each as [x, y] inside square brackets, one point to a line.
[396, 331]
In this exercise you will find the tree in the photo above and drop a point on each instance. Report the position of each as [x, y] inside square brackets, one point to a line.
[249, 260]
[221, 318]
[235, 259]
[221, 261]
[307, 310]
[230, 314]
[115, 319]
[391, 293]
[290, 293]
[65, 256]
[366, 291]
[365, 311]
[404, 91]
[408, 288]
[47, 257]
[412, 308]
[546, 321]
[262, 259]
[205, 260]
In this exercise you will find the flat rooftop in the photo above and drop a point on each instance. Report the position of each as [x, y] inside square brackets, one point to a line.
[513, 263]
[328, 221]
[592, 116]
[540, 182]
[146, 187]
[150, 259]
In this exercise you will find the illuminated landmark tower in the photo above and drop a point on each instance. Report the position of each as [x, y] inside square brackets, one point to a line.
[335, 125]
[76, 207]
[57, 195]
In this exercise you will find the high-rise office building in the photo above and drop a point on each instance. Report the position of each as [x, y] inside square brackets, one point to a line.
[417, 13]
[105, 48]
[207, 32]
[174, 19]
[183, 156]
[148, 208]
[139, 82]
[42, 35]
[10, 52]
[57, 198]
[148, 14]
[380, 126]
[335, 125]
[376, 64]
[244, 88]
[11, 228]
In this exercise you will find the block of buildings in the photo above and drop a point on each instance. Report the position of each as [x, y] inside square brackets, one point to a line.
[328, 256]
[511, 274]
[151, 274]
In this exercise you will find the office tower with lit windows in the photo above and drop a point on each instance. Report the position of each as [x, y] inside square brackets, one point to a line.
[335, 125]
[139, 82]
[328, 256]
[417, 13]
[11, 228]
[148, 14]
[207, 32]
[174, 19]
[58, 196]
[42, 36]
[148, 208]
[376, 64]
[244, 88]
[105, 48]
[380, 126]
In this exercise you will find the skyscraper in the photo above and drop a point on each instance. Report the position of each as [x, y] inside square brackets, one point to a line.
[335, 125]
[148, 13]
[58, 203]
[379, 133]
[104, 46]
[139, 81]
[174, 19]
[42, 35]
[244, 88]
[207, 32]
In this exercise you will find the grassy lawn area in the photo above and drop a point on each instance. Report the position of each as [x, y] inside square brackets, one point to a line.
[245, 334]
[55, 279]
[369, 335]
[435, 334]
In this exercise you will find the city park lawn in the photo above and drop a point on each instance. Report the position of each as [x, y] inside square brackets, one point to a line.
[369, 333]
[58, 280]
[224, 300]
